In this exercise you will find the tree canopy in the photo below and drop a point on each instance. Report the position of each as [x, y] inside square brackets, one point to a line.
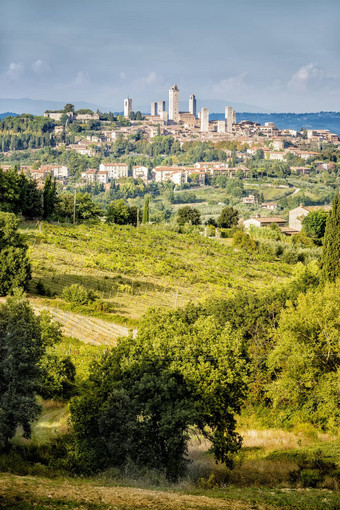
[142, 398]
[15, 269]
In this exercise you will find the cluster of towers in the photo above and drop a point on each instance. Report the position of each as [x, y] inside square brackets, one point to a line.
[158, 108]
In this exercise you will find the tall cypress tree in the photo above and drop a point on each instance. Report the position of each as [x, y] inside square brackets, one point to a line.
[146, 209]
[331, 245]
[49, 197]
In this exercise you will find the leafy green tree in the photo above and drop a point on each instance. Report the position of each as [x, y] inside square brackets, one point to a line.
[117, 212]
[50, 197]
[189, 215]
[86, 209]
[131, 116]
[15, 269]
[305, 362]
[143, 396]
[78, 294]
[228, 217]
[138, 115]
[31, 199]
[69, 108]
[146, 211]
[21, 349]
[331, 245]
[314, 224]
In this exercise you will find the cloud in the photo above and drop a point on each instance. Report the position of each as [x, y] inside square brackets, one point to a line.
[307, 77]
[14, 72]
[80, 79]
[40, 67]
[231, 84]
[152, 78]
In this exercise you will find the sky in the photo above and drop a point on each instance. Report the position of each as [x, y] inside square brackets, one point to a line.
[280, 55]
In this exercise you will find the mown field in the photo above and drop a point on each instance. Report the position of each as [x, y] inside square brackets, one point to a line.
[135, 269]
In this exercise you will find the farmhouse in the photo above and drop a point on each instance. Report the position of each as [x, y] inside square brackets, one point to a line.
[264, 221]
[296, 215]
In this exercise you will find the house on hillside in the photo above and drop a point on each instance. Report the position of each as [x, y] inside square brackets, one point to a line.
[296, 215]
[264, 221]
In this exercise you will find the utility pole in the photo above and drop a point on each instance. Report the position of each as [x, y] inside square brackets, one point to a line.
[74, 206]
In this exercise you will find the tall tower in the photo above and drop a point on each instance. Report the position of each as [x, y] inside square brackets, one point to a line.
[160, 107]
[229, 117]
[174, 103]
[127, 106]
[192, 104]
[204, 120]
[154, 108]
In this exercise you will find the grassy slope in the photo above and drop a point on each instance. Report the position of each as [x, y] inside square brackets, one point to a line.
[151, 266]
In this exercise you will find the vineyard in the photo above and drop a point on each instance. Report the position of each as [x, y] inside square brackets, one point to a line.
[135, 269]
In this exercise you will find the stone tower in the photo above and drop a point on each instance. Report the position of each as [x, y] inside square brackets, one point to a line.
[192, 104]
[204, 120]
[174, 103]
[127, 106]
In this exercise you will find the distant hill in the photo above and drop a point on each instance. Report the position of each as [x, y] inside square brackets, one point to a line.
[38, 106]
[8, 114]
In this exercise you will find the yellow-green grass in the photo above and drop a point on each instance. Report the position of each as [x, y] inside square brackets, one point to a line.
[135, 269]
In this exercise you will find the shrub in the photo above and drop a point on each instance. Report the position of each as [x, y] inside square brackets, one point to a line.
[77, 294]
[244, 241]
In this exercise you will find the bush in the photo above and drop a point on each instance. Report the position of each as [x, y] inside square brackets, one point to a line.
[244, 241]
[77, 294]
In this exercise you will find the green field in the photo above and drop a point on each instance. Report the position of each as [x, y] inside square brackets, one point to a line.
[135, 269]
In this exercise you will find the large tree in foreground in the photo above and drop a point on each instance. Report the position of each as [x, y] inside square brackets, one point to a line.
[181, 371]
[21, 348]
[15, 270]
[331, 244]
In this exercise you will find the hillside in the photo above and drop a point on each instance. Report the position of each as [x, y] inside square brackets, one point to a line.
[134, 269]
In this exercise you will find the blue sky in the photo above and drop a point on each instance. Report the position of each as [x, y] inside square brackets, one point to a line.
[281, 55]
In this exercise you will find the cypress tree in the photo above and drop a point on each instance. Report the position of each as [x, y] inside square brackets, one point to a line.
[146, 209]
[331, 245]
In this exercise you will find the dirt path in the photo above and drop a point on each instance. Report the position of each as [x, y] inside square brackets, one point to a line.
[34, 490]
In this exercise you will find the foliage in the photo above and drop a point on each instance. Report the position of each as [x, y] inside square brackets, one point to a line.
[244, 241]
[78, 294]
[305, 361]
[228, 217]
[86, 208]
[314, 224]
[120, 213]
[331, 245]
[189, 215]
[141, 399]
[15, 269]
[49, 197]
[22, 343]
[146, 212]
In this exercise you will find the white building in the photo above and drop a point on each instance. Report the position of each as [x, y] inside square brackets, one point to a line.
[102, 176]
[192, 104]
[264, 221]
[160, 107]
[57, 171]
[89, 175]
[204, 120]
[154, 108]
[297, 215]
[221, 126]
[127, 107]
[229, 118]
[140, 172]
[115, 170]
[178, 175]
[174, 103]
